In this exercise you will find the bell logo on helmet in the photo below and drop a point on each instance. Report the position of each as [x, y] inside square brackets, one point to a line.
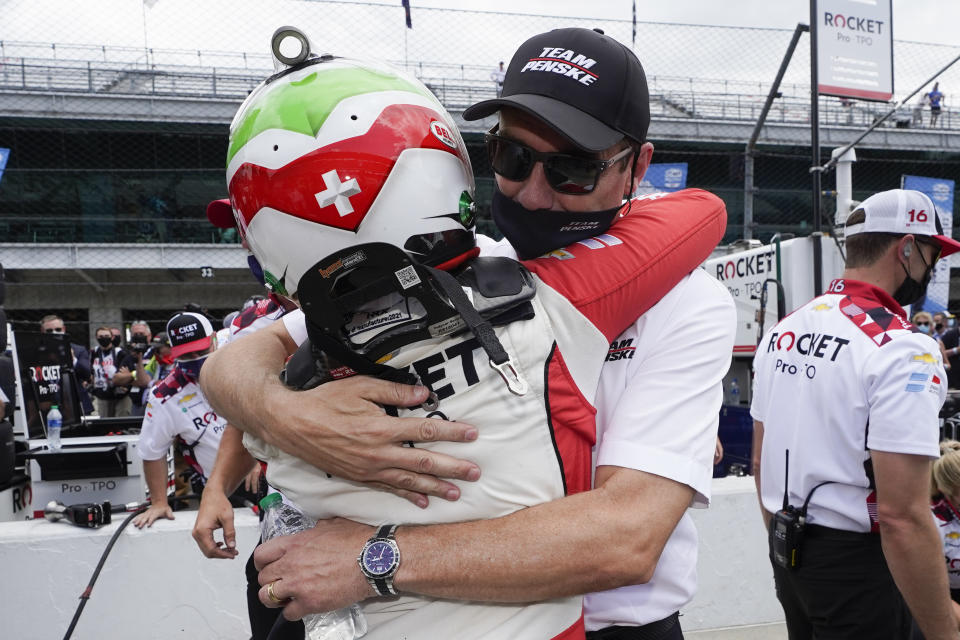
[441, 133]
[337, 193]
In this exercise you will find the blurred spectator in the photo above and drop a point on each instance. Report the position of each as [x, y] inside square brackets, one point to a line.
[81, 360]
[923, 321]
[105, 360]
[497, 75]
[945, 497]
[160, 362]
[939, 324]
[131, 372]
[847, 104]
[935, 99]
[950, 346]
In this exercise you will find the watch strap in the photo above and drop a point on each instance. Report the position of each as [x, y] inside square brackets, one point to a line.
[386, 531]
[384, 587]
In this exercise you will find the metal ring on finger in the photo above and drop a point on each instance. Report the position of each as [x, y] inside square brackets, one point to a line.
[272, 594]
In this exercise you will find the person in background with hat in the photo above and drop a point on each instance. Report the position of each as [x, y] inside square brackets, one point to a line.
[570, 146]
[845, 430]
[176, 409]
[160, 363]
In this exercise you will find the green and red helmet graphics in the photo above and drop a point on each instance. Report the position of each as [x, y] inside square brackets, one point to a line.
[336, 184]
[318, 150]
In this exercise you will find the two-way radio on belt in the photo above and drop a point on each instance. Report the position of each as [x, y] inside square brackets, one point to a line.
[789, 524]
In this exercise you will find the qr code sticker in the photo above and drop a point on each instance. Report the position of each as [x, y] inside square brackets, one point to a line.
[408, 277]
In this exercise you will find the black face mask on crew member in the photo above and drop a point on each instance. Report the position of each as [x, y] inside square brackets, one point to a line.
[533, 233]
[104, 341]
[116, 341]
[910, 290]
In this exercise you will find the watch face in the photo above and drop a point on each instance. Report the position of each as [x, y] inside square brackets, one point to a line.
[379, 558]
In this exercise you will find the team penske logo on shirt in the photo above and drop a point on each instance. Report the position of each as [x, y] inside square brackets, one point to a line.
[621, 350]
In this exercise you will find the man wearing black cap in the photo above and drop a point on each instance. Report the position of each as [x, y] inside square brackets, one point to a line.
[570, 145]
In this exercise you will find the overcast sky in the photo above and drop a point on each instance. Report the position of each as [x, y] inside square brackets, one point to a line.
[470, 38]
[920, 20]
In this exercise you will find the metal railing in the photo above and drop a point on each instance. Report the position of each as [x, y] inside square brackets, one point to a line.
[456, 86]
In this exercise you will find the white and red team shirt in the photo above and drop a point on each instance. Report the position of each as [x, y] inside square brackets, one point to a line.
[947, 519]
[532, 448]
[658, 411]
[841, 376]
[256, 317]
[176, 408]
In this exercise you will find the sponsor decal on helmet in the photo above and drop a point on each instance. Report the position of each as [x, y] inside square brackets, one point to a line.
[442, 133]
[467, 210]
[342, 263]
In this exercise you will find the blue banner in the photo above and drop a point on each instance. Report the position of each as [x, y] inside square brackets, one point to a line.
[664, 177]
[940, 191]
[4, 154]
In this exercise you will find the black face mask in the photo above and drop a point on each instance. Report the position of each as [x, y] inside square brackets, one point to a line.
[116, 341]
[104, 341]
[910, 290]
[534, 233]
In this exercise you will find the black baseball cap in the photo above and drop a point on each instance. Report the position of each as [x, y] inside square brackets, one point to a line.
[189, 332]
[585, 85]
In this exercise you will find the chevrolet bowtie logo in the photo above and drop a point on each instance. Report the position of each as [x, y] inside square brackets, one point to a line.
[926, 358]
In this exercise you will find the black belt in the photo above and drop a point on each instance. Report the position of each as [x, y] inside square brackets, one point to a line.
[649, 631]
[817, 531]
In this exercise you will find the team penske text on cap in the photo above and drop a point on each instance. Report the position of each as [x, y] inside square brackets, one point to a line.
[585, 85]
[903, 211]
[189, 332]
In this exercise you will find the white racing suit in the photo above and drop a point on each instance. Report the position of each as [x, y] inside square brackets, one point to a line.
[532, 448]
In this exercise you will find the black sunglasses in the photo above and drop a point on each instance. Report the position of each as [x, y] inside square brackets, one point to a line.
[566, 173]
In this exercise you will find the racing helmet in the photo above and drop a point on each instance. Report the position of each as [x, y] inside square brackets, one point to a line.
[334, 152]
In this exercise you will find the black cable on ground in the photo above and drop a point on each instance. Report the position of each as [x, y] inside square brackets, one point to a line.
[103, 558]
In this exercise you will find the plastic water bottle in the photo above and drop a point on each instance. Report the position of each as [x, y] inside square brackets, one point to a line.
[733, 396]
[280, 518]
[54, 422]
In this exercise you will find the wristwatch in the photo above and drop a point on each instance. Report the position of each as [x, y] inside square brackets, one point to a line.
[379, 560]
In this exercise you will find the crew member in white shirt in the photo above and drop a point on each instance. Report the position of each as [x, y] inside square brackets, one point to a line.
[852, 391]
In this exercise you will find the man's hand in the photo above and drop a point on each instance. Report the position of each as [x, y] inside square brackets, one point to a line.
[251, 482]
[340, 426]
[152, 514]
[216, 512]
[305, 581]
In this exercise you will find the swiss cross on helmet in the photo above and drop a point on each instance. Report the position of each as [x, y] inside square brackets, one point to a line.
[333, 152]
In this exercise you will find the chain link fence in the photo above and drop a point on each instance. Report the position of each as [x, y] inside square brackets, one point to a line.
[116, 113]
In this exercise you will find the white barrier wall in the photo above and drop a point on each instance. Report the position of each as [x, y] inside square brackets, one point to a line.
[157, 585]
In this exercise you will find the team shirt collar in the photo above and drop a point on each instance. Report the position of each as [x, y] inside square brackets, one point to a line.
[858, 289]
